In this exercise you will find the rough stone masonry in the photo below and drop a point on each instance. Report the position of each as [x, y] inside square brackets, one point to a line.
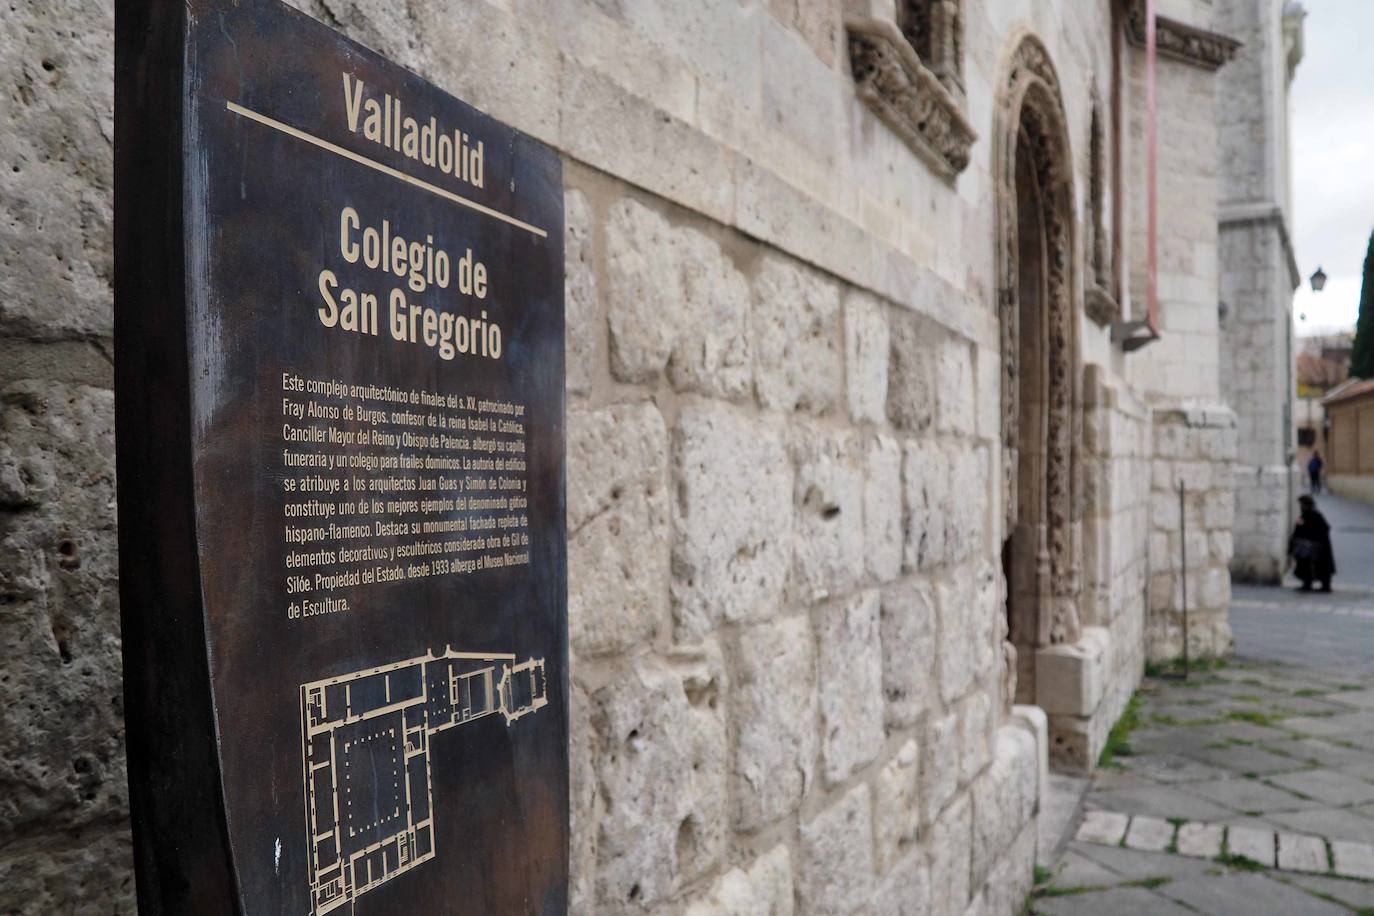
[791, 290]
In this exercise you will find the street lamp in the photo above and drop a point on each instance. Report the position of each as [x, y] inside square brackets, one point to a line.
[1318, 280]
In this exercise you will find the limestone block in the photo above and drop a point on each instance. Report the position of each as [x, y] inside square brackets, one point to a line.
[828, 543]
[954, 387]
[925, 481]
[798, 362]
[906, 889]
[836, 857]
[61, 728]
[988, 367]
[713, 352]
[975, 736]
[939, 766]
[957, 615]
[801, 97]
[1353, 860]
[1033, 721]
[584, 810]
[911, 393]
[765, 889]
[1256, 845]
[56, 133]
[773, 705]
[507, 73]
[1218, 510]
[1302, 853]
[908, 645]
[1201, 841]
[732, 529]
[1105, 827]
[89, 874]
[851, 686]
[883, 541]
[1070, 678]
[675, 301]
[950, 860]
[1150, 834]
[1215, 590]
[581, 298]
[896, 805]
[1003, 800]
[618, 524]
[1009, 886]
[643, 291]
[660, 761]
[966, 506]
[638, 141]
[866, 349]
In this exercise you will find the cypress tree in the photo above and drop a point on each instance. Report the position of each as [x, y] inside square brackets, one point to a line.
[1362, 352]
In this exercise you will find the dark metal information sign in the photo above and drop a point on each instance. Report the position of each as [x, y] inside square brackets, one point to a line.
[340, 391]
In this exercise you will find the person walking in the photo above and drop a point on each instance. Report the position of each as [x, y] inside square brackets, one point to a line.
[1314, 470]
[1309, 549]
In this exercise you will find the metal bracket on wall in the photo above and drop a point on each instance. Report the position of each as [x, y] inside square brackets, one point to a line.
[1132, 335]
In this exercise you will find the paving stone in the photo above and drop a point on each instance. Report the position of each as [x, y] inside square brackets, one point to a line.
[1246, 895]
[1135, 865]
[1353, 860]
[1240, 759]
[1319, 752]
[1335, 823]
[1076, 870]
[1157, 741]
[1330, 786]
[1249, 795]
[1160, 801]
[1246, 731]
[1175, 768]
[1149, 834]
[1257, 845]
[1200, 840]
[1302, 853]
[1125, 901]
[1355, 894]
[1106, 827]
[1355, 725]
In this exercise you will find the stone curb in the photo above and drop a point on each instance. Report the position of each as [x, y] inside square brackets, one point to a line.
[1270, 848]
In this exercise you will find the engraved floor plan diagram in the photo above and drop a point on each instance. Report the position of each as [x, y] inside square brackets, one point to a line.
[367, 759]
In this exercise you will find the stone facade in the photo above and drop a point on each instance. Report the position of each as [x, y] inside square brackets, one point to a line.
[1258, 277]
[802, 435]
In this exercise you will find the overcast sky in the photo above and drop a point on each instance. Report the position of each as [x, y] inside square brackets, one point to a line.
[1333, 159]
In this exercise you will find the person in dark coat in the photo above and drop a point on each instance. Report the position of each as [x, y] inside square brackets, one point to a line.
[1314, 470]
[1310, 547]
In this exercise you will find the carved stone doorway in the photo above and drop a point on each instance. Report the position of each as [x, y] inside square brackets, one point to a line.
[1041, 412]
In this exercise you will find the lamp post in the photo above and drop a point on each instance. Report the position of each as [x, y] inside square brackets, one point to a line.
[1318, 280]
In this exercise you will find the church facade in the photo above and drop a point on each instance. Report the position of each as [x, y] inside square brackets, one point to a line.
[903, 428]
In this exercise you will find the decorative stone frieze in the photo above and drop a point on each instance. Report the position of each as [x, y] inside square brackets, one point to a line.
[1180, 41]
[891, 80]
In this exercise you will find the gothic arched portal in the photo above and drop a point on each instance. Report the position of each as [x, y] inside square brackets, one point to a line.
[1041, 399]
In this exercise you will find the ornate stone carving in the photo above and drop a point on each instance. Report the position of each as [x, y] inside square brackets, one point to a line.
[907, 97]
[1183, 42]
[1030, 112]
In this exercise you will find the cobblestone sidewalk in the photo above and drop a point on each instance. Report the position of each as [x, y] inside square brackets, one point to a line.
[1245, 790]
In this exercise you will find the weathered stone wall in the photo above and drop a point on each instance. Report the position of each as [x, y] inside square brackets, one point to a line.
[1258, 382]
[1183, 364]
[776, 536]
[786, 603]
[64, 837]
[1194, 446]
[1258, 277]
[1116, 438]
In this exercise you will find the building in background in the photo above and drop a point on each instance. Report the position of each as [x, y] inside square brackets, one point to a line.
[1323, 366]
[1259, 275]
[874, 438]
[1349, 425]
